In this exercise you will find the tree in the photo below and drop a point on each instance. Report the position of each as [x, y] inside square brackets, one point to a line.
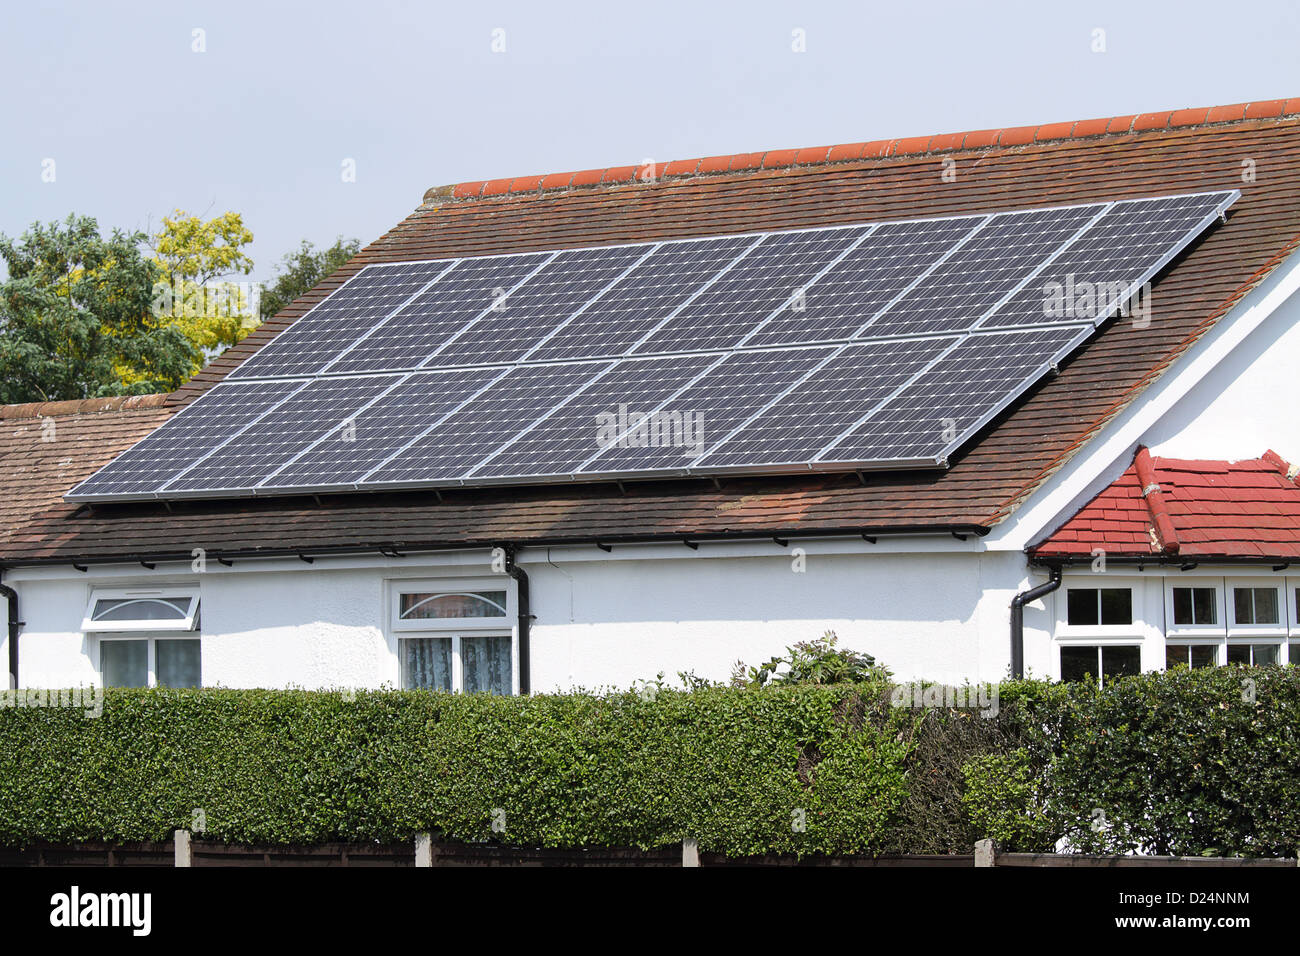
[302, 269]
[75, 317]
[195, 294]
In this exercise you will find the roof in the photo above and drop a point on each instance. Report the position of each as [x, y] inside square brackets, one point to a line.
[1058, 164]
[46, 447]
[1195, 510]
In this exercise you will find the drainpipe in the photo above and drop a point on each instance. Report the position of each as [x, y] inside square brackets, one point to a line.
[14, 624]
[525, 619]
[1018, 620]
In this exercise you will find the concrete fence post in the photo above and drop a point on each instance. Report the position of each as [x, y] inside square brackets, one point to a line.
[984, 854]
[690, 853]
[424, 849]
[184, 849]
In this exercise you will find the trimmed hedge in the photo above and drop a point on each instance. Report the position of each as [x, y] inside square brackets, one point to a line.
[1184, 762]
[730, 768]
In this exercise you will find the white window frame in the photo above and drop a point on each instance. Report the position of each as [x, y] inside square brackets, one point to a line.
[1292, 607]
[1260, 639]
[1219, 630]
[186, 624]
[150, 640]
[1133, 632]
[1099, 643]
[1278, 630]
[454, 628]
[451, 586]
[1220, 654]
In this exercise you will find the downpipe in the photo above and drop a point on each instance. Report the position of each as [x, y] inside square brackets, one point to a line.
[1018, 619]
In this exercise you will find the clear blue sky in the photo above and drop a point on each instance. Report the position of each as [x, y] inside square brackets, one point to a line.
[138, 124]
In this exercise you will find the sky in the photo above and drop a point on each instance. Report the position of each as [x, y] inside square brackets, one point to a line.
[136, 109]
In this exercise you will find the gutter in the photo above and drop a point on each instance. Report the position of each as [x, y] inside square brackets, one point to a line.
[14, 624]
[1018, 619]
[604, 542]
[525, 622]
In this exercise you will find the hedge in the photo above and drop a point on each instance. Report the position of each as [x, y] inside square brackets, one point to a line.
[1184, 762]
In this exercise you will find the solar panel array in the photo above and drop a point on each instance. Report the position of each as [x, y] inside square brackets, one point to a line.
[880, 345]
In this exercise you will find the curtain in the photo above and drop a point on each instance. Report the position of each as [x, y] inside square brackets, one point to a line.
[426, 663]
[487, 664]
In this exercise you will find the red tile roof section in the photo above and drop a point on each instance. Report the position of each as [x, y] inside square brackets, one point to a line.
[1217, 509]
[910, 146]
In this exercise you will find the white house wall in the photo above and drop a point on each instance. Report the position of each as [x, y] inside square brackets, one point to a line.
[604, 620]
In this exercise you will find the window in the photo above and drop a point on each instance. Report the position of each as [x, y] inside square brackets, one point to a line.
[1193, 606]
[1099, 662]
[1256, 655]
[416, 609]
[1255, 606]
[150, 661]
[142, 610]
[1093, 606]
[465, 642]
[1191, 655]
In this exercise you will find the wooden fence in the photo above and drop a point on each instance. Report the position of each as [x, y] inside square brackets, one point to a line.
[185, 850]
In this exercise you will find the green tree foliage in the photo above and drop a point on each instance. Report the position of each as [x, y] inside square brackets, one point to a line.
[302, 269]
[199, 291]
[75, 317]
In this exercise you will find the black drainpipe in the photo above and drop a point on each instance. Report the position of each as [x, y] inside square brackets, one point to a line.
[14, 624]
[525, 619]
[1018, 620]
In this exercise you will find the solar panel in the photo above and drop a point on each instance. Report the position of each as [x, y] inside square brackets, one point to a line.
[463, 439]
[821, 407]
[352, 311]
[646, 297]
[320, 406]
[870, 345]
[345, 453]
[880, 268]
[472, 288]
[720, 401]
[952, 398]
[773, 275]
[569, 436]
[217, 416]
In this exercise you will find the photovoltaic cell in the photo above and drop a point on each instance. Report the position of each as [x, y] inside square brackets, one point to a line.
[985, 269]
[559, 338]
[815, 412]
[889, 260]
[957, 395]
[320, 406]
[1126, 245]
[777, 270]
[722, 399]
[345, 456]
[559, 444]
[434, 317]
[643, 298]
[308, 345]
[540, 306]
[209, 421]
[465, 438]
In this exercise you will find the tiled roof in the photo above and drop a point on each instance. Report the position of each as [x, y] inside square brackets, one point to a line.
[47, 447]
[1215, 509]
[1057, 164]
[878, 149]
